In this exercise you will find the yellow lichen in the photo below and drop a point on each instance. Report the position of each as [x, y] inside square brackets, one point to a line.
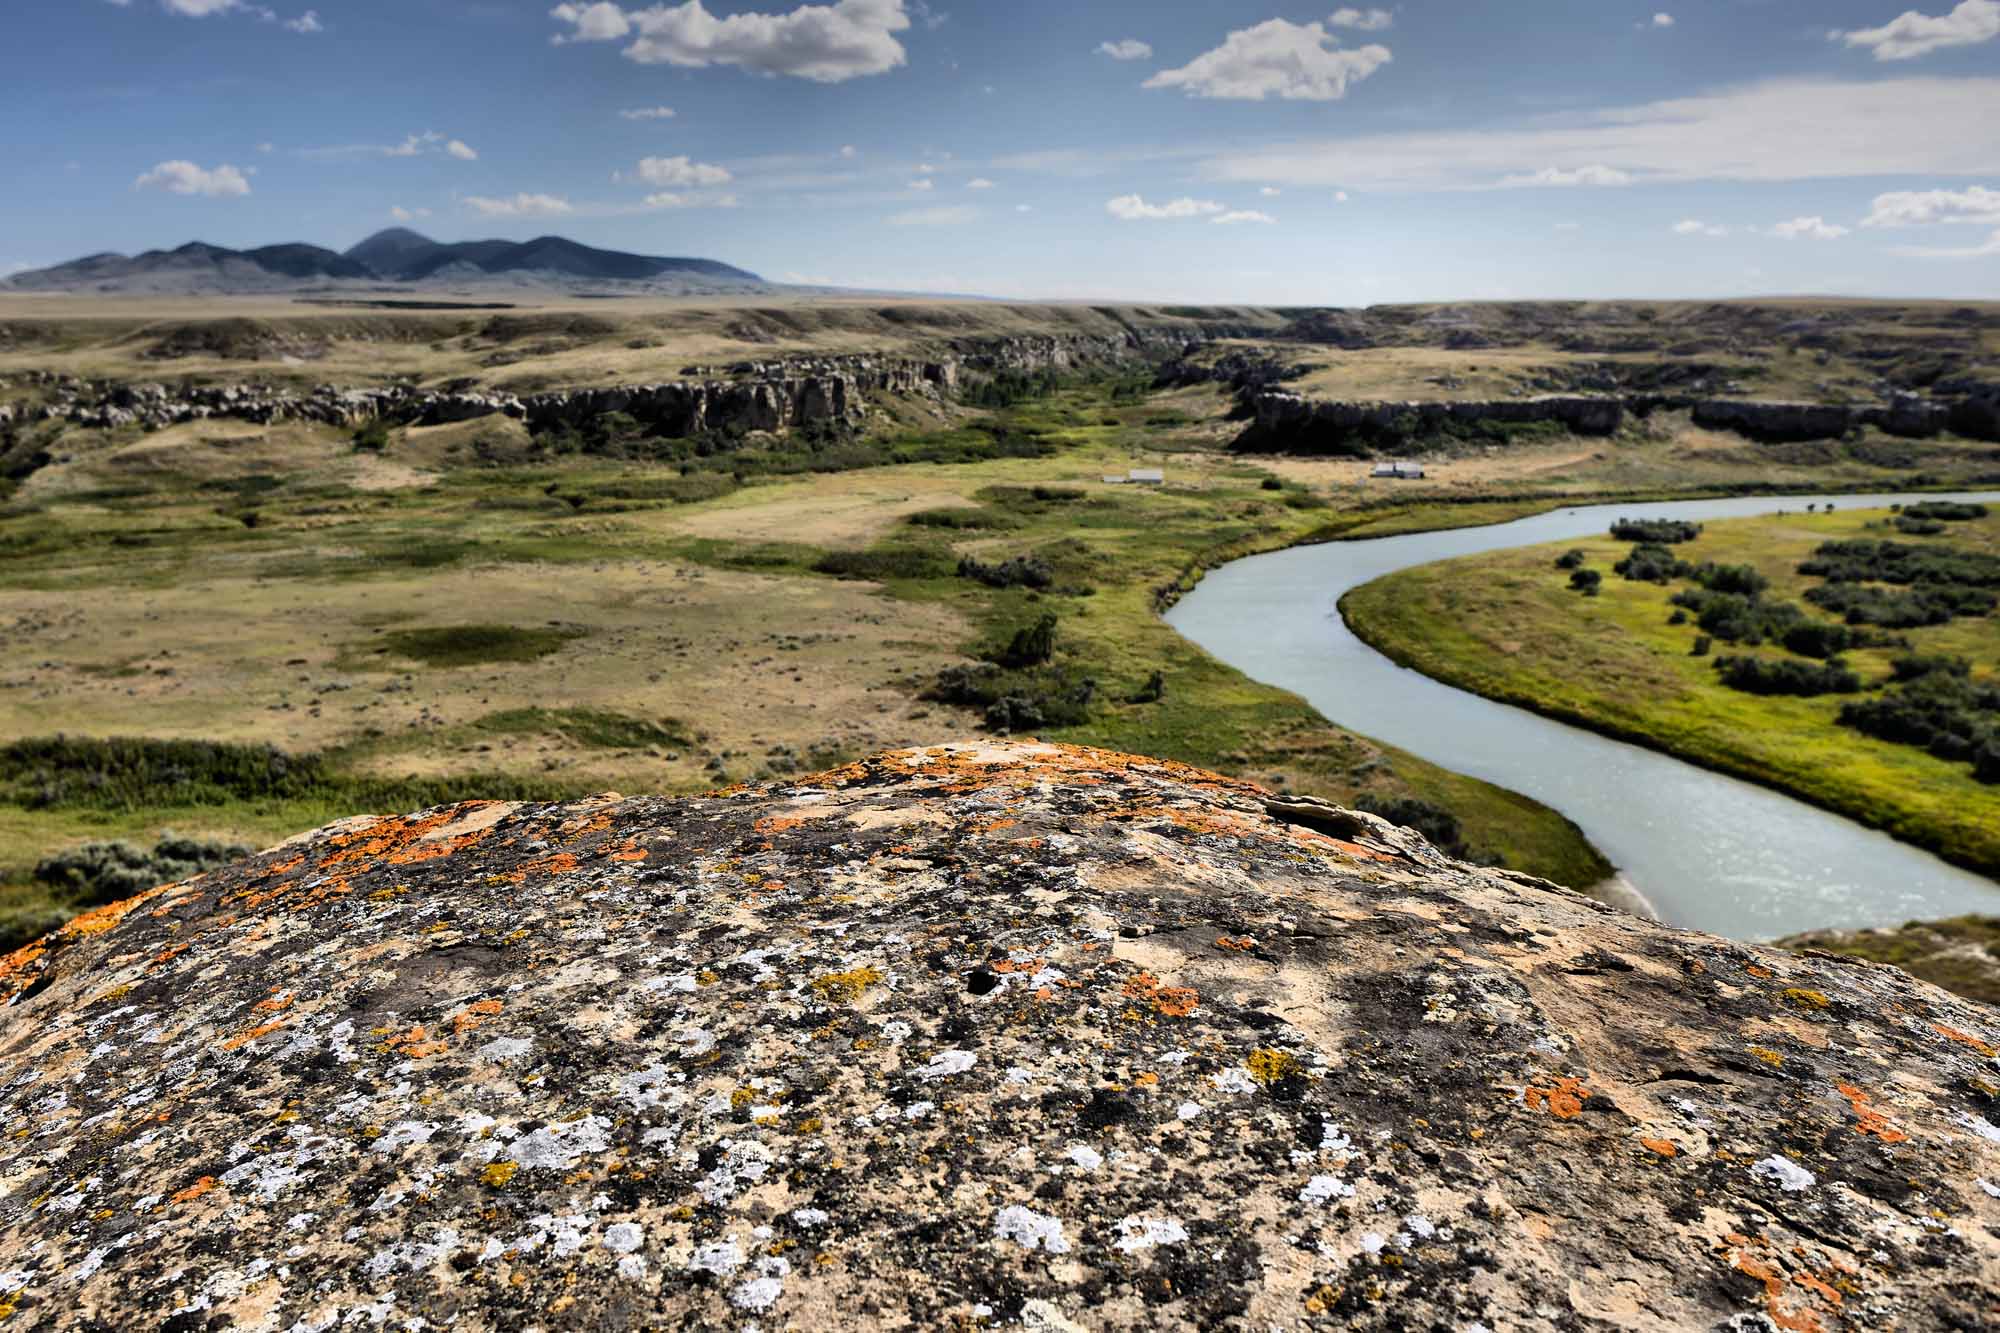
[497, 1174]
[1767, 1055]
[846, 987]
[1269, 1066]
[1804, 999]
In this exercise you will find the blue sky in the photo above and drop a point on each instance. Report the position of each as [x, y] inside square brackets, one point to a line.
[1215, 151]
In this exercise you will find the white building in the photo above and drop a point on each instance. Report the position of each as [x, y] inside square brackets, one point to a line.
[1147, 476]
[1399, 471]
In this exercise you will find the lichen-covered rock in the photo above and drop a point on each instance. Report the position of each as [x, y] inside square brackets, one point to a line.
[1005, 1035]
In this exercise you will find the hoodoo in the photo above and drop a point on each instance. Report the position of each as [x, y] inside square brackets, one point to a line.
[981, 1035]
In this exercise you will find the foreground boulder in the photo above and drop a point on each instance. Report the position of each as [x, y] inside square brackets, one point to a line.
[1010, 1034]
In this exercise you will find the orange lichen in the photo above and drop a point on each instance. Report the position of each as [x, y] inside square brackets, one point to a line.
[470, 1017]
[1173, 1001]
[1564, 1101]
[195, 1191]
[1663, 1147]
[1867, 1120]
[279, 1001]
[416, 1044]
[1963, 1038]
[1761, 973]
[244, 1038]
[1244, 945]
[1789, 1301]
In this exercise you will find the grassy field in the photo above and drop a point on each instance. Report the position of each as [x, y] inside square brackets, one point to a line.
[1508, 626]
[428, 627]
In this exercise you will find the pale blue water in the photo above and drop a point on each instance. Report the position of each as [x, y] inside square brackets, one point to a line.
[1704, 850]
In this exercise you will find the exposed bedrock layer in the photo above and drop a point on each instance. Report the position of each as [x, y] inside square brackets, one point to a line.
[1006, 1034]
[1286, 420]
[769, 396]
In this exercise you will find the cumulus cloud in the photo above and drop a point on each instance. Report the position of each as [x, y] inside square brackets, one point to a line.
[1340, 196]
[1243, 215]
[1595, 173]
[417, 145]
[670, 199]
[1127, 49]
[1270, 192]
[1133, 208]
[1696, 227]
[1914, 34]
[849, 152]
[182, 177]
[461, 150]
[307, 23]
[1365, 20]
[676, 172]
[950, 216]
[824, 43]
[922, 183]
[520, 206]
[1663, 20]
[198, 9]
[648, 113]
[1776, 131]
[1291, 61]
[1812, 228]
[1914, 208]
[402, 214]
[979, 183]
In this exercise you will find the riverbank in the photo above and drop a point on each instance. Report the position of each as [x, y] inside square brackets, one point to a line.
[1507, 626]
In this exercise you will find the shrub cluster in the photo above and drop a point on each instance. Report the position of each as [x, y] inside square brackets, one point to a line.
[1945, 511]
[1655, 531]
[1736, 618]
[104, 872]
[1893, 608]
[1022, 571]
[1651, 562]
[1786, 675]
[1865, 561]
[1934, 703]
[1017, 700]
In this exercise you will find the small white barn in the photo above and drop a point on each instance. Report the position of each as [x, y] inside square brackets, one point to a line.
[1399, 471]
[1147, 476]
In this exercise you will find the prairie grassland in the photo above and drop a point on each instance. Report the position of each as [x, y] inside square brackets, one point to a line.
[1507, 625]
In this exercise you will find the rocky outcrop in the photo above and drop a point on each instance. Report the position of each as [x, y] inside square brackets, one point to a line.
[1287, 420]
[1283, 419]
[1009, 1035]
[766, 396]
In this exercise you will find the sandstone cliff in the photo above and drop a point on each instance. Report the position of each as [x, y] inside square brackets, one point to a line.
[1003, 1035]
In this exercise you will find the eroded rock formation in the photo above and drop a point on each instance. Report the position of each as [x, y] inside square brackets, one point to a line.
[1284, 420]
[1000, 1035]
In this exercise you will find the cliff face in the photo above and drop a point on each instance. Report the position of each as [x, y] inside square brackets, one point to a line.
[1284, 420]
[982, 1035]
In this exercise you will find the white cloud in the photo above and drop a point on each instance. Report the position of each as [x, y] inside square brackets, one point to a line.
[461, 150]
[1132, 208]
[307, 23]
[951, 216]
[1913, 34]
[198, 9]
[1243, 215]
[648, 113]
[669, 199]
[430, 141]
[1663, 20]
[979, 183]
[849, 151]
[1696, 227]
[593, 23]
[402, 214]
[1275, 59]
[1594, 174]
[922, 183]
[1814, 228]
[520, 206]
[1340, 196]
[824, 43]
[1270, 192]
[181, 177]
[1024, 208]
[1366, 20]
[675, 172]
[1774, 131]
[1127, 49]
[1912, 208]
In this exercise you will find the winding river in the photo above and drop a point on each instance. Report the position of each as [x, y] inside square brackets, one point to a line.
[1699, 848]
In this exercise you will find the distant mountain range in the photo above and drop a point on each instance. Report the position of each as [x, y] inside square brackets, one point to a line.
[397, 257]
